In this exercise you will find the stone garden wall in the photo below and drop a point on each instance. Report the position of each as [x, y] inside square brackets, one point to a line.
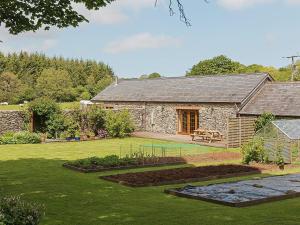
[11, 120]
[163, 118]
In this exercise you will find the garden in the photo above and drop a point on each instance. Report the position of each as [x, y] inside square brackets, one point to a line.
[86, 199]
[46, 121]
[128, 180]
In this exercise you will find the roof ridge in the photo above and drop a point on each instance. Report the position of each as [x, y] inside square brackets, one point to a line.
[193, 76]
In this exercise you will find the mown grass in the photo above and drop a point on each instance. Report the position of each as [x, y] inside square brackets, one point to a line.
[64, 105]
[72, 198]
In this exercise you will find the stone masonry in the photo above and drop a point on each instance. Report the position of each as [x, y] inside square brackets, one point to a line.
[11, 120]
[163, 118]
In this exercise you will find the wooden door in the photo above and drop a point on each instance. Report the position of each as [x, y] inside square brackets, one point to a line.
[188, 121]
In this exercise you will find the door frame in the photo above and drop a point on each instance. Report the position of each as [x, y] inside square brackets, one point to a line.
[180, 120]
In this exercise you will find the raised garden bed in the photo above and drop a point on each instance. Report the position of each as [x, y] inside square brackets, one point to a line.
[244, 193]
[181, 175]
[130, 164]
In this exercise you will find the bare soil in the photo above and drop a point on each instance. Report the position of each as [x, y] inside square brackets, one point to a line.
[181, 175]
[213, 157]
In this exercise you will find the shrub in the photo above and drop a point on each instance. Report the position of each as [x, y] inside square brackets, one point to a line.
[107, 161]
[7, 138]
[254, 151]
[26, 137]
[96, 118]
[56, 125]
[118, 124]
[14, 211]
[263, 120]
[43, 109]
[23, 137]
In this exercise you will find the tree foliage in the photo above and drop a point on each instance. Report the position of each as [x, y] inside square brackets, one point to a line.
[224, 65]
[30, 15]
[217, 65]
[9, 87]
[150, 76]
[37, 75]
[55, 84]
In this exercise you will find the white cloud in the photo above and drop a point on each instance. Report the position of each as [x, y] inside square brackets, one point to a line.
[115, 13]
[241, 4]
[141, 41]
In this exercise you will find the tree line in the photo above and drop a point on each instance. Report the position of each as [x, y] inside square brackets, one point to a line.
[224, 65]
[24, 77]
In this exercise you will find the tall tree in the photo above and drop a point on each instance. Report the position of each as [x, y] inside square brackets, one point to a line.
[55, 84]
[217, 65]
[9, 87]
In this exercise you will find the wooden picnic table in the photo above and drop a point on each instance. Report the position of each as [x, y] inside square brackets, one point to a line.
[207, 135]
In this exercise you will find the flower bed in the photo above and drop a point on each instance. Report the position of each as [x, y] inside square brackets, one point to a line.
[113, 162]
[181, 175]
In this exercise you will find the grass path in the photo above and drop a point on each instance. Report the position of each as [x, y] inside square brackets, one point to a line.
[71, 198]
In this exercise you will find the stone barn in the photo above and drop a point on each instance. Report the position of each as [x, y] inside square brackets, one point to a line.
[179, 105]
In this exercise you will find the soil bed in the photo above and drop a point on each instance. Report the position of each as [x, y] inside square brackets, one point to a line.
[163, 161]
[181, 175]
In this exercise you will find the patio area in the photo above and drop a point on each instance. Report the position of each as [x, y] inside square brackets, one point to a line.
[178, 138]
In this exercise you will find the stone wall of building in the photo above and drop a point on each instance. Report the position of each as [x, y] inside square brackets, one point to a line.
[11, 120]
[163, 117]
[215, 116]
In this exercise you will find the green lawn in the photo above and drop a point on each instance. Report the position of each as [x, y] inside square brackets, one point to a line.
[72, 198]
[64, 105]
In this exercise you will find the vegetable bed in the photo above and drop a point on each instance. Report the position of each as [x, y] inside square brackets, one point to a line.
[181, 175]
[113, 162]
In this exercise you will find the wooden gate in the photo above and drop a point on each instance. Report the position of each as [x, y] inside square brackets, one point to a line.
[239, 131]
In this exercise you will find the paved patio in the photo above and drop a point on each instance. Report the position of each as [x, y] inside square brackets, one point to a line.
[178, 138]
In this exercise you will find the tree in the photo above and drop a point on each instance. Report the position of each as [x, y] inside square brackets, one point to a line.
[150, 76]
[217, 65]
[29, 66]
[9, 87]
[55, 84]
[31, 15]
[154, 75]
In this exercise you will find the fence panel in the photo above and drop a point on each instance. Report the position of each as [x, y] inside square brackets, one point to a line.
[239, 131]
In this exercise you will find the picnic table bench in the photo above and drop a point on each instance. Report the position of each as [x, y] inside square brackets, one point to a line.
[207, 135]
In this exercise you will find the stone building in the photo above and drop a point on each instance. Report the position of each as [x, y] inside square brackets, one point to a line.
[179, 105]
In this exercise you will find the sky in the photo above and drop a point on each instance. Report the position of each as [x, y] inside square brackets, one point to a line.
[135, 38]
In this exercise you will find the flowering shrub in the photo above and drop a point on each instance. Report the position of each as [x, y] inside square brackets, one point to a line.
[14, 211]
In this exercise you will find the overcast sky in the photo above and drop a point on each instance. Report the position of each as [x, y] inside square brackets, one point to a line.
[135, 38]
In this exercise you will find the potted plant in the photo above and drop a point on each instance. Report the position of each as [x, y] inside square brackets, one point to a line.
[77, 136]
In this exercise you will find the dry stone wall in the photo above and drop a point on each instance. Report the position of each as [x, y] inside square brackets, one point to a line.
[11, 120]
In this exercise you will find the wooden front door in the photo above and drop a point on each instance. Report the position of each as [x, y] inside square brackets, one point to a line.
[187, 121]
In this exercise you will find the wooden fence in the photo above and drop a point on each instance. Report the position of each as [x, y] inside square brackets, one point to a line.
[239, 131]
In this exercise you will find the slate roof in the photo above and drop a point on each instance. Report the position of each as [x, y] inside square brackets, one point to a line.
[202, 89]
[290, 128]
[281, 99]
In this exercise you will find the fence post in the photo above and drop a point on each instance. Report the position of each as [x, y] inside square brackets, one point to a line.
[227, 134]
[240, 130]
